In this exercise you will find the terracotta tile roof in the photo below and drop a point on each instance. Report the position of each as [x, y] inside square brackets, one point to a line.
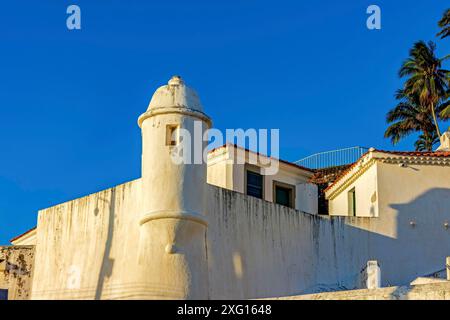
[436, 154]
[328, 175]
[21, 235]
[444, 154]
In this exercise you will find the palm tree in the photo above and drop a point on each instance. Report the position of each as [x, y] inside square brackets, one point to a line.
[426, 142]
[445, 113]
[410, 116]
[444, 24]
[425, 78]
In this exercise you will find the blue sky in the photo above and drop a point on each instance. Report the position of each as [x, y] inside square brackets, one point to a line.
[69, 100]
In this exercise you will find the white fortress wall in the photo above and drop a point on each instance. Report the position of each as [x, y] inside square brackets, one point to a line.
[87, 248]
[258, 249]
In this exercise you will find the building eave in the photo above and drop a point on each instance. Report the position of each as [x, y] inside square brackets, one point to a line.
[393, 157]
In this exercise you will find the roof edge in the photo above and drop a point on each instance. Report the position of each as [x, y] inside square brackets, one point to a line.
[228, 144]
[375, 155]
[26, 233]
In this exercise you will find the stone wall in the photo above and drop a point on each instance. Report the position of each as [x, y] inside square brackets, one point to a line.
[16, 266]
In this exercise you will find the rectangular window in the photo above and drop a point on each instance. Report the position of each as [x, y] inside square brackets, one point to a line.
[3, 294]
[284, 194]
[351, 202]
[172, 135]
[254, 184]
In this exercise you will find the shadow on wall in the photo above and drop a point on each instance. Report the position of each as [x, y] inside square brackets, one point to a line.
[107, 263]
[259, 249]
[423, 228]
[421, 242]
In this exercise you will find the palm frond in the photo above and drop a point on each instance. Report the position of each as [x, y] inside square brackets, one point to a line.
[444, 24]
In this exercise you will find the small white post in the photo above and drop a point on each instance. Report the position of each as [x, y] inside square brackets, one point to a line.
[373, 273]
[447, 266]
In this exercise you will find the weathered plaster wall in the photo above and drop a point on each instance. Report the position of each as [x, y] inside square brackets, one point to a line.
[87, 248]
[259, 249]
[16, 271]
[435, 291]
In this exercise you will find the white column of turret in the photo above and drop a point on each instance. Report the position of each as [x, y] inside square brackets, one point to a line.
[172, 249]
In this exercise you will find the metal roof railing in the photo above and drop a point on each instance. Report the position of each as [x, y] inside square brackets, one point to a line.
[332, 158]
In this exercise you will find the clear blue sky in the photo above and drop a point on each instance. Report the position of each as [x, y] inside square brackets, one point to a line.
[69, 100]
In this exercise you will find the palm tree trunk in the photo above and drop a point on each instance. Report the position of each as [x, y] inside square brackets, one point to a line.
[438, 131]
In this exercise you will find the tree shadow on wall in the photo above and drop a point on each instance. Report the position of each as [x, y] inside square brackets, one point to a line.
[420, 239]
[419, 243]
[107, 263]
[423, 234]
